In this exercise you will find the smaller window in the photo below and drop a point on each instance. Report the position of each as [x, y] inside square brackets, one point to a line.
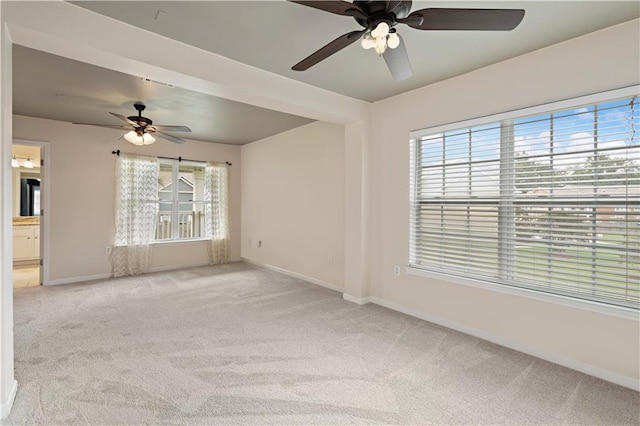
[181, 213]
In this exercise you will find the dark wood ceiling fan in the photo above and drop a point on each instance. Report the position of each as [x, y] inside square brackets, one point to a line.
[379, 19]
[140, 126]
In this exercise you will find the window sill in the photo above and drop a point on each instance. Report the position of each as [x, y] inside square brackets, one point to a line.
[191, 240]
[601, 308]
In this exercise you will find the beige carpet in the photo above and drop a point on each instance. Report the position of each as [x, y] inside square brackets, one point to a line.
[239, 345]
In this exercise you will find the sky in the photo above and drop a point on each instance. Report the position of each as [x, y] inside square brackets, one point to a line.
[565, 139]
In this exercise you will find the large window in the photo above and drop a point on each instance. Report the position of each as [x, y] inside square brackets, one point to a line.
[549, 201]
[181, 196]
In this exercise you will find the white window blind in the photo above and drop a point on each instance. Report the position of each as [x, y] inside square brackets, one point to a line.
[549, 202]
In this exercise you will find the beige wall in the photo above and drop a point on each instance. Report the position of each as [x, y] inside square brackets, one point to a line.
[82, 195]
[293, 201]
[605, 60]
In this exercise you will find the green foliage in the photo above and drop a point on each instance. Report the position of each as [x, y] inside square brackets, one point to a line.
[601, 169]
[598, 169]
[532, 174]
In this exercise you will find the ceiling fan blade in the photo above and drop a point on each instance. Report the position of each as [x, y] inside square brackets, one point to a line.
[171, 128]
[169, 137]
[398, 62]
[328, 50]
[125, 119]
[392, 4]
[400, 8]
[108, 126]
[464, 19]
[338, 7]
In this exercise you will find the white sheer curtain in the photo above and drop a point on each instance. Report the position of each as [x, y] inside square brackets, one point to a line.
[216, 194]
[136, 214]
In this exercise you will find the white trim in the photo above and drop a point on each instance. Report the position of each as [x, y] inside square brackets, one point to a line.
[356, 300]
[294, 274]
[181, 240]
[610, 376]
[609, 95]
[45, 221]
[587, 305]
[176, 267]
[191, 265]
[62, 281]
[72, 280]
[5, 408]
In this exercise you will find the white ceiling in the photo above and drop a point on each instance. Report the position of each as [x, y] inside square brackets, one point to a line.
[274, 35]
[23, 152]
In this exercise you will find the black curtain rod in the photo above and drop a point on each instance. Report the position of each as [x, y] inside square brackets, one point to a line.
[117, 152]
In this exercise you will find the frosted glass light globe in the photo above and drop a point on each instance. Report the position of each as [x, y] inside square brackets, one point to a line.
[368, 43]
[393, 41]
[133, 137]
[382, 30]
[147, 139]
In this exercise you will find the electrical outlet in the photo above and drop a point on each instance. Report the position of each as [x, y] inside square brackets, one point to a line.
[107, 250]
[330, 257]
[396, 270]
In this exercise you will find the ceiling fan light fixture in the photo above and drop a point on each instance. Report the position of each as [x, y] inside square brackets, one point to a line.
[381, 45]
[139, 138]
[381, 38]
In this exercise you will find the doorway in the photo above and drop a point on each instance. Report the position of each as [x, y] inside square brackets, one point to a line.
[28, 190]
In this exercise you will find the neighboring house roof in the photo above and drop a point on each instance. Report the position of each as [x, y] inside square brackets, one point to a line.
[183, 179]
[582, 190]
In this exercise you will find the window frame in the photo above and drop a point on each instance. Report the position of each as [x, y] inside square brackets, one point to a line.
[175, 200]
[532, 293]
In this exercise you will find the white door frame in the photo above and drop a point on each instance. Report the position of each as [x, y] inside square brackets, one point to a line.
[45, 204]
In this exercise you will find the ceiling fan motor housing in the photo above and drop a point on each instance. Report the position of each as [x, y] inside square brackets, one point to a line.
[377, 12]
[142, 121]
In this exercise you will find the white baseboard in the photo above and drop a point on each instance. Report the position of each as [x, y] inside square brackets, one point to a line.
[357, 300]
[72, 280]
[191, 265]
[294, 274]
[176, 267]
[5, 408]
[610, 376]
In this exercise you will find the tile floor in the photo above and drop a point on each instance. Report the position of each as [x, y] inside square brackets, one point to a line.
[26, 276]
